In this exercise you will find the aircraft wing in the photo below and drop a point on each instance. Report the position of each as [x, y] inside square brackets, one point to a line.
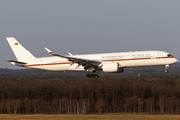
[80, 61]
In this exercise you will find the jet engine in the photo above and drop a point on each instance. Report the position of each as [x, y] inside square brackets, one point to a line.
[112, 67]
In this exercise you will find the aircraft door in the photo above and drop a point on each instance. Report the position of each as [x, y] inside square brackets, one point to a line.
[158, 59]
[127, 57]
[128, 62]
[153, 59]
[41, 62]
[159, 56]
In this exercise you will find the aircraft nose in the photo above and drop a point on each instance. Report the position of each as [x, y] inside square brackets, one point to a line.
[175, 60]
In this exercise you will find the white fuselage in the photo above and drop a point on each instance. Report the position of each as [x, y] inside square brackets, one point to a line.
[125, 59]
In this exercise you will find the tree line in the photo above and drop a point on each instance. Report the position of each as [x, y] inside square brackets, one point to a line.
[87, 96]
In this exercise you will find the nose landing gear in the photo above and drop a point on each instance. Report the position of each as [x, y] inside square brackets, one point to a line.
[166, 68]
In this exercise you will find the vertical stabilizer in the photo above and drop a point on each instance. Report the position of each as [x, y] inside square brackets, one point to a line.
[20, 52]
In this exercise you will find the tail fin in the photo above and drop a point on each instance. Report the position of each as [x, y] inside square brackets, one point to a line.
[20, 52]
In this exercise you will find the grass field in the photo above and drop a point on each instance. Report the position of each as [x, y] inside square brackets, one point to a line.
[89, 117]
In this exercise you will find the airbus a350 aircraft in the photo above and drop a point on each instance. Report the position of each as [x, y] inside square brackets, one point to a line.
[106, 62]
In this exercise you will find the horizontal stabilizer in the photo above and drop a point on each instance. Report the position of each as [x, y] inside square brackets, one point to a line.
[18, 62]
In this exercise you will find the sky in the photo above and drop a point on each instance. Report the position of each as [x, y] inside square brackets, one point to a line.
[89, 26]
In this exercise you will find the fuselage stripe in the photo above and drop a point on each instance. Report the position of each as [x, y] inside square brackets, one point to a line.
[120, 60]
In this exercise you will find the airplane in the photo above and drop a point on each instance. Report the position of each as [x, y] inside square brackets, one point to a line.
[106, 62]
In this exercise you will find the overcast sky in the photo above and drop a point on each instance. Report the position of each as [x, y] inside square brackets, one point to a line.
[89, 26]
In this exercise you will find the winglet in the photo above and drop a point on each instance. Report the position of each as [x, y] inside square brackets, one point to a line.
[49, 51]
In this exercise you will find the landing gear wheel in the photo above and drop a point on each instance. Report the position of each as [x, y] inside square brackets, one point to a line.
[92, 76]
[88, 75]
[96, 76]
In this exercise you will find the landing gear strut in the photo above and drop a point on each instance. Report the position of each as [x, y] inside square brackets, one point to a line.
[91, 75]
[166, 68]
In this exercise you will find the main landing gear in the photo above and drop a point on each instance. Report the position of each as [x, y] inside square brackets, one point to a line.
[91, 75]
[166, 68]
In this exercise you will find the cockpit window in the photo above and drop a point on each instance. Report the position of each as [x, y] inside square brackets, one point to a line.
[169, 55]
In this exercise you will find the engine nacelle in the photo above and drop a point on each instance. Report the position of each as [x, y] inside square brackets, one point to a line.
[112, 67]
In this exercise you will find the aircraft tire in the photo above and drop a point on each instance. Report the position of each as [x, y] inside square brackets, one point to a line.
[88, 75]
[96, 76]
[92, 76]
